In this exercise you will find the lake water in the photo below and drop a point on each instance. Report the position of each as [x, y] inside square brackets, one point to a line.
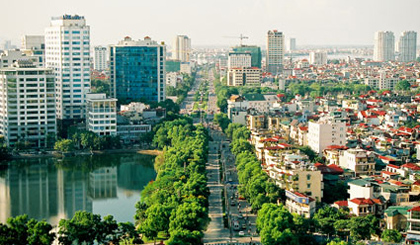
[53, 189]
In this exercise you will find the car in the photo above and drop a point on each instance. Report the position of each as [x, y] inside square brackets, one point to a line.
[243, 226]
[240, 216]
[241, 233]
[232, 203]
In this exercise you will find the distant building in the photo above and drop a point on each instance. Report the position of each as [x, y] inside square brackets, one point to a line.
[137, 70]
[101, 114]
[360, 161]
[384, 49]
[99, 58]
[300, 204]
[36, 42]
[407, 46]
[250, 76]
[413, 226]
[318, 58]
[181, 49]
[275, 51]
[239, 60]
[27, 104]
[255, 52]
[292, 44]
[67, 52]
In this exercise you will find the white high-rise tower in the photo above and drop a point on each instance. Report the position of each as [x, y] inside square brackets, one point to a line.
[384, 46]
[275, 51]
[407, 46]
[99, 58]
[181, 48]
[67, 52]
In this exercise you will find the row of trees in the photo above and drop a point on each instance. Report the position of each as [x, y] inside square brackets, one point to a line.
[175, 205]
[87, 140]
[255, 185]
[83, 228]
[181, 89]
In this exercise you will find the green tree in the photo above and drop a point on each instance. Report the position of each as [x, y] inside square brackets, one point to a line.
[402, 85]
[361, 228]
[82, 228]
[40, 233]
[241, 145]
[222, 120]
[64, 145]
[391, 236]
[309, 152]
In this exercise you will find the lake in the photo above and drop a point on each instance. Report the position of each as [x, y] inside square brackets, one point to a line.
[53, 189]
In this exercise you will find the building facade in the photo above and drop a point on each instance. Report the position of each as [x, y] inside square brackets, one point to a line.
[318, 58]
[250, 76]
[275, 51]
[255, 52]
[181, 49]
[99, 58]
[101, 114]
[292, 44]
[137, 70]
[384, 49]
[67, 52]
[326, 132]
[27, 105]
[407, 46]
[239, 60]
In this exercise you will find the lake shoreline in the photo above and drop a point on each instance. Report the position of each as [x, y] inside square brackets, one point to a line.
[152, 152]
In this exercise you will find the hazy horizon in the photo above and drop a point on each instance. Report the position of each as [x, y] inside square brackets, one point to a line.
[311, 22]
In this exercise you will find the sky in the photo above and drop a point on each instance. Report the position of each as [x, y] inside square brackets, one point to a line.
[216, 22]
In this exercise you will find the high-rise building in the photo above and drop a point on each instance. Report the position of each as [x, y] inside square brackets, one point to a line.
[67, 52]
[384, 49]
[275, 51]
[245, 76]
[327, 131]
[99, 58]
[137, 70]
[292, 43]
[318, 58]
[255, 52]
[407, 46]
[27, 105]
[181, 48]
[239, 60]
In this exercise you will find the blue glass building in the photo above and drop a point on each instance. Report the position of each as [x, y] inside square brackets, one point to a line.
[137, 70]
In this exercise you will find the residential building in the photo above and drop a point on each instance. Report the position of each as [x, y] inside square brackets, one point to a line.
[325, 132]
[255, 52]
[366, 206]
[384, 49]
[300, 204]
[99, 58]
[275, 51]
[101, 114]
[318, 58]
[247, 76]
[27, 105]
[137, 70]
[396, 217]
[67, 52]
[360, 161]
[181, 49]
[413, 226]
[407, 46]
[239, 60]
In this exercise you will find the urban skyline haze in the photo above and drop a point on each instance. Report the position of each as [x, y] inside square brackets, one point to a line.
[320, 22]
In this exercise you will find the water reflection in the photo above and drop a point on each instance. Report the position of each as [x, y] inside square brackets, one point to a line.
[53, 189]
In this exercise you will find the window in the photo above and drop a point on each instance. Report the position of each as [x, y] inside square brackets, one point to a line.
[308, 177]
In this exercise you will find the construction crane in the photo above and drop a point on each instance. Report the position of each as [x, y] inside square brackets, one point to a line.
[241, 37]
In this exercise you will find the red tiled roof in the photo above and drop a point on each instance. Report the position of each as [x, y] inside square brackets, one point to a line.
[342, 203]
[411, 166]
[393, 166]
[388, 173]
[414, 209]
[364, 201]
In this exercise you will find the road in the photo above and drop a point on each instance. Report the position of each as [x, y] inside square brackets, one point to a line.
[217, 181]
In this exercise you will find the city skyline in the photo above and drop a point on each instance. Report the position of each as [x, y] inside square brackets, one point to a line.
[310, 22]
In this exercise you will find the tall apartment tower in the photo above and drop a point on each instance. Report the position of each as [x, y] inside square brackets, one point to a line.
[292, 43]
[384, 46]
[137, 70]
[34, 46]
[181, 48]
[407, 46]
[67, 52]
[275, 51]
[99, 58]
